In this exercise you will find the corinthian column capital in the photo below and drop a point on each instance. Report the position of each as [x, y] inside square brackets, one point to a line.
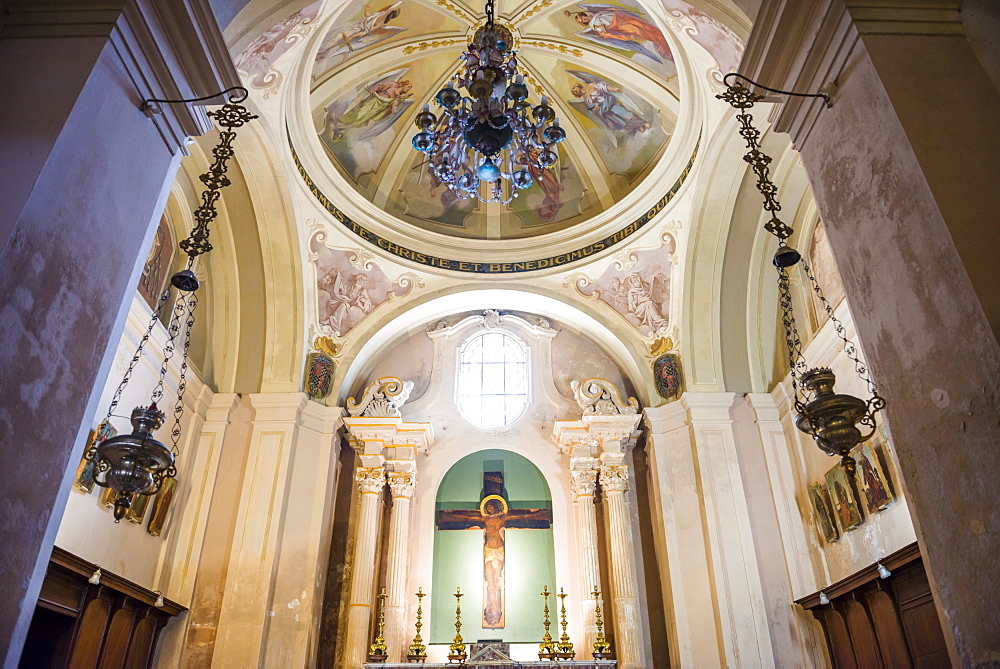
[614, 478]
[370, 479]
[402, 484]
[583, 482]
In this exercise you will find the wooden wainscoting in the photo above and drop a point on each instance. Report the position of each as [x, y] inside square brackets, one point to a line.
[876, 623]
[82, 626]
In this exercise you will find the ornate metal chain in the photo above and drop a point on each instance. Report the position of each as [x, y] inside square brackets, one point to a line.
[741, 98]
[138, 352]
[489, 13]
[876, 403]
[228, 116]
[796, 359]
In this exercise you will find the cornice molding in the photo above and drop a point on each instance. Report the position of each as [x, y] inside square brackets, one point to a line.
[900, 558]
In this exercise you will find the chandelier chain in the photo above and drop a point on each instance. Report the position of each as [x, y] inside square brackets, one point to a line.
[229, 116]
[173, 330]
[489, 13]
[138, 352]
[849, 348]
[793, 342]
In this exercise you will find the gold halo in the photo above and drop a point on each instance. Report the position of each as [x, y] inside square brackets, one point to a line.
[482, 504]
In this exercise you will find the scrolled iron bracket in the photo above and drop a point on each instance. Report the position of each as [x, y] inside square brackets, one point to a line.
[150, 107]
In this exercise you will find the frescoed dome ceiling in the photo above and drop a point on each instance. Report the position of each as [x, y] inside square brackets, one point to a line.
[606, 68]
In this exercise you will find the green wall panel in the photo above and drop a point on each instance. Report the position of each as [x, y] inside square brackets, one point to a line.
[458, 554]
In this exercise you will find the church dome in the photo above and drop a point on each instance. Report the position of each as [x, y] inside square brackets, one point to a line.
[608, 70]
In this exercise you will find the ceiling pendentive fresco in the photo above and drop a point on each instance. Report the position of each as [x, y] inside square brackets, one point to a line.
[606, 68]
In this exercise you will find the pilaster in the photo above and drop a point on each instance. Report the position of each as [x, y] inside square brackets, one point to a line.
[681, 540]
[746, 640]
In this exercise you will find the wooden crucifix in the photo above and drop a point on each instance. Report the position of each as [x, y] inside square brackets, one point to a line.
[493, 516]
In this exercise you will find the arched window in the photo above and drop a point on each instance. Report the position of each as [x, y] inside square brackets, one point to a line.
[493, 379]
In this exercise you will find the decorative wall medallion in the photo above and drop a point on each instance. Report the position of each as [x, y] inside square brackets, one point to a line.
[347, 293]
[667, 372]
[319, 375]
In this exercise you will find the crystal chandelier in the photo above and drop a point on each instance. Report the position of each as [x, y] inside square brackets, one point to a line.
[491, 136]
[836, 422]
[137, 463]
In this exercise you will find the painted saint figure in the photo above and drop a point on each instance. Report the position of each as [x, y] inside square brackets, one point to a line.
[641, 304]
[348, 300]
[622, 29]
[609, 105]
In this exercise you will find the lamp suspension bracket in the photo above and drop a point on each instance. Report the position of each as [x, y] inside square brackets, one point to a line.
[836, 422]
[137, 463]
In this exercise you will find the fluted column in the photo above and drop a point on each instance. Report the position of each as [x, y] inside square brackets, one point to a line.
[370, 481]
[583, 483]
[402, 485]
[614, 483]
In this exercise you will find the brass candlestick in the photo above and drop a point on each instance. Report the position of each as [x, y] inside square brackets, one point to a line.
[456, 651]
[378, 652]
[564, 649]
[418, 651]
[546, 649]
[602, 649]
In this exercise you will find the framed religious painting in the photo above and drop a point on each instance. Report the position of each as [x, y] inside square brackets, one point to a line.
[823, 513]
[873, 483]
[137, 510]
[161, 506]
[845, 505]
[87, 470]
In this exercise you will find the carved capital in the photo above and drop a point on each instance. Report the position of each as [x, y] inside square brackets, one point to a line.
[583, 482]
[614, 478]
[382, 399]
[370, 479]
[402, 484]
[600, 397]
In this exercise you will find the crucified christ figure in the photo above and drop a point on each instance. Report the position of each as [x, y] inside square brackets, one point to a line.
[493, 517]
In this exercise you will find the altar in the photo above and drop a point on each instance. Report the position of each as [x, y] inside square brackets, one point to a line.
[496, 655]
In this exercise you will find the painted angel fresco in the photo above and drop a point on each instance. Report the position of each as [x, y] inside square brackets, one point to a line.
[372, 110]
[343, 41]
[622, 29]
[258, 58]
[608, 105]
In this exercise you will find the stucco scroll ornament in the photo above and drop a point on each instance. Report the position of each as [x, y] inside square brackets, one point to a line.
[382, 399]
[600, 397]
[614, 478]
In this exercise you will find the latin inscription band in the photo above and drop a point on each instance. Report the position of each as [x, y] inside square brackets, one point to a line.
[483, 267]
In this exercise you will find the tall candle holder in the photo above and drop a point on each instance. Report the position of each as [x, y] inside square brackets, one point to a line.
[602, 649]
[564, 649]
[546, 649]
[418, 651]
[456, 651]
[378, 652]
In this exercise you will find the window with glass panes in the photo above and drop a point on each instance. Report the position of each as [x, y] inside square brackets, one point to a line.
[493, 379]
